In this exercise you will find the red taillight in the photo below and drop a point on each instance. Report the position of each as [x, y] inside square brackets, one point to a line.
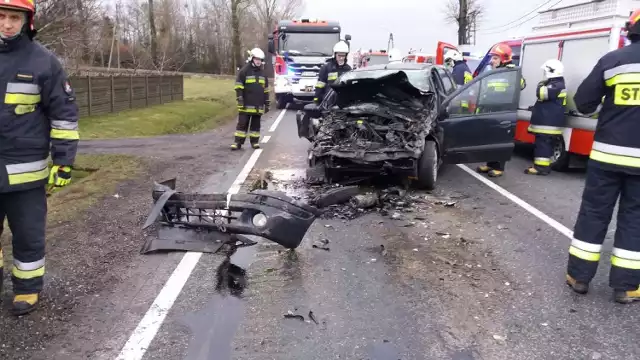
[621, 41]
[280, 66]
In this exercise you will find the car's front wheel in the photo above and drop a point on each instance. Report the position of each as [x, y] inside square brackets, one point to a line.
[281, 101]
[428, 166]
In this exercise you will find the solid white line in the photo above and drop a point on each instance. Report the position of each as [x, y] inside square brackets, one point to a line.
[523, 204]
[278, 119]
[266, 139]
[148, 327]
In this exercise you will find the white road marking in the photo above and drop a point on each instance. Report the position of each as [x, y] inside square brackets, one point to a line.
[278, 119]
[145, 332]
[523, 204]
[266, 139]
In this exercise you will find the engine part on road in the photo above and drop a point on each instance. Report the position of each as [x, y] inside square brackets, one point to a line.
[365, 201]
[204, 222]
[336, 196]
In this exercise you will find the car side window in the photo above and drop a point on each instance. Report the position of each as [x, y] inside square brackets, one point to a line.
[437, 82]
[446, 81]
[494, 93]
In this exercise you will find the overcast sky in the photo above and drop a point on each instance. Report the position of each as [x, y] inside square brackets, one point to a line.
[421, 23]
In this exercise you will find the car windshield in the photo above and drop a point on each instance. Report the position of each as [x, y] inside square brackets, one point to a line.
[378, 60]
[418, 78]
[313, 44]
[472, 64]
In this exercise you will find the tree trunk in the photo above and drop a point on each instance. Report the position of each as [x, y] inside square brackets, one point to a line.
[153, 35]
[462, 22]
[236, 45]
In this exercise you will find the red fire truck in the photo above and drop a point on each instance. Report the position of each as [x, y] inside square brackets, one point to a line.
[299, 48]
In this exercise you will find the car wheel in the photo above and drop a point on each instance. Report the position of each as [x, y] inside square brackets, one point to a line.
[428, 166]
[281, 101]
[560, 158]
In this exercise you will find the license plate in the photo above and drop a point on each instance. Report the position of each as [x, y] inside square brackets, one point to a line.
[308, 73]
[308, 88]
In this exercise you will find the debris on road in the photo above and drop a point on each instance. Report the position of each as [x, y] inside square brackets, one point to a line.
[291, 315]
[313, 318]
[205, 222]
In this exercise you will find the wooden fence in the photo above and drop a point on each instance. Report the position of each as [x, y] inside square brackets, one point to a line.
[98, 95]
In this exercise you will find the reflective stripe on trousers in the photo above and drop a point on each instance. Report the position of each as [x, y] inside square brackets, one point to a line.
[27, 172]
[543, 129]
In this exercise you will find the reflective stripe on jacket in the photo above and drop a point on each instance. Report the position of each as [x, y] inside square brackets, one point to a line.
[253, 87]
[548, 115]
[616, 77]
[329, 73]
[38, 118]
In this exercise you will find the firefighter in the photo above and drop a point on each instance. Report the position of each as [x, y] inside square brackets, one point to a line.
[613, 170]
[252, 94]
[501, 57]
[547, 118]
[39, 117]
[332, 69]
[459, 69]
[395, 56]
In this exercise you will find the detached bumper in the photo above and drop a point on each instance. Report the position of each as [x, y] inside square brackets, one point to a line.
[209, 219]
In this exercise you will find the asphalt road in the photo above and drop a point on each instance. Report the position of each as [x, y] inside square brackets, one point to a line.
[481, 278]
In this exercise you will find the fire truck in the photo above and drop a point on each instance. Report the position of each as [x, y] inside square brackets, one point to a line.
[373, 58]
[578, 35]
[422, 57]
[299, 48]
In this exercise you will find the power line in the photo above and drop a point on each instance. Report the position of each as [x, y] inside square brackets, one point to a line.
[522, 17]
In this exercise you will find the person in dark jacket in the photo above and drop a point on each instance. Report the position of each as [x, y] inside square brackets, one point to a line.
[332, 70]
[547, 117]
[459, 69]
[613, 172]
[501, 56]
[252, 94]
[39, 118]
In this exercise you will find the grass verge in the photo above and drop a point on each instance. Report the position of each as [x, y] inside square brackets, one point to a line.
[207, 103]
[93, 178]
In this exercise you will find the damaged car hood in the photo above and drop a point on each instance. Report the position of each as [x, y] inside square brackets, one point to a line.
[373, 116]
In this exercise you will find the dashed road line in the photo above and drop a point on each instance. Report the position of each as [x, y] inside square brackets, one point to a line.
[278, 119]
[266, 139]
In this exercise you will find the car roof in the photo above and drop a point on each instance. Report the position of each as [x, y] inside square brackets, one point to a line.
[397, 66]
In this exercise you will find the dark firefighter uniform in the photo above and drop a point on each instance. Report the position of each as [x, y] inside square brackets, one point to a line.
[496, 168]
[39, 117]
[329, 73]
[252, 92]
[461, 73]
[613, 170]
[547, 121]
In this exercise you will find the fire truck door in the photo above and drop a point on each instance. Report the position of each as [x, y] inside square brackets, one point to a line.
[532, 57]
[443, 47]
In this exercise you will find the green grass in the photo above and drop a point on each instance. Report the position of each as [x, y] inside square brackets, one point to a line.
[207, 103]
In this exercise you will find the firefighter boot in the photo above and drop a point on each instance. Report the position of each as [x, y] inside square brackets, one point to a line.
[495, 173]
[24, 304]
[483, 169]
[626, 297]
[236, 146]
[536, 171]
[577, 286]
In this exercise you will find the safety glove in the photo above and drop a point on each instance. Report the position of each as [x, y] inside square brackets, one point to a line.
[60, 175]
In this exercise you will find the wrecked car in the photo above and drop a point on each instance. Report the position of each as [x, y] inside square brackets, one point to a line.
[206, 222]
[407, 120]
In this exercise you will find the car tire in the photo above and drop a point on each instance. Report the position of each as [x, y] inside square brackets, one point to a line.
[428, 166]
[281, 102]
[560, 158]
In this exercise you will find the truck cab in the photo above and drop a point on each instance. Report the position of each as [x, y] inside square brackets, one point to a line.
[299, 48]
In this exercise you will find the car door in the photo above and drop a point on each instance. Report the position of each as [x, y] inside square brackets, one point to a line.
[447, 80]
[477, 123]
[439, 85]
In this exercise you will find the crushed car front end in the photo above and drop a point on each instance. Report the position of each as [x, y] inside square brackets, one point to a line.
[373, 122]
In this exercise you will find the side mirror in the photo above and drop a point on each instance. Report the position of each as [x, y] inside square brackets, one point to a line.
[347, 37]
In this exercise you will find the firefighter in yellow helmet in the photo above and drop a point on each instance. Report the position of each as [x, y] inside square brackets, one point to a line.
[613, 172]
[39, 118]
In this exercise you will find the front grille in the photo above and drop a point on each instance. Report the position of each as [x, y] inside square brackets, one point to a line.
[305, 70]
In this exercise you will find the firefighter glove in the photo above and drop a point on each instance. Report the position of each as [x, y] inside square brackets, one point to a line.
[240, 100]
[60, 175]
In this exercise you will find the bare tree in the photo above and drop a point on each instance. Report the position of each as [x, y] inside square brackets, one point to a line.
[466, 14]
